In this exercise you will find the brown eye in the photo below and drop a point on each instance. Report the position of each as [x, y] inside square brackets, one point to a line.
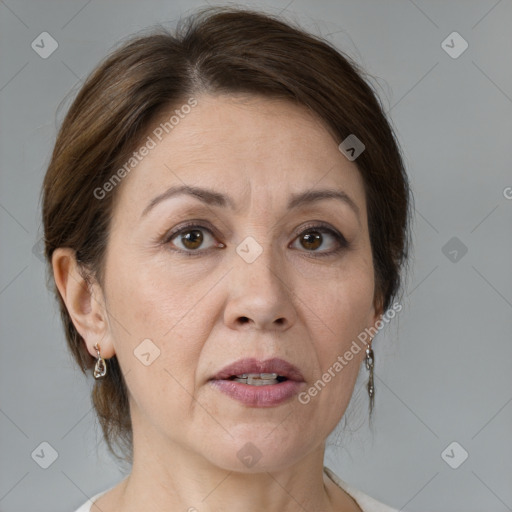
[189, 239]
[312, 240]
[192, 239]
[321, 241]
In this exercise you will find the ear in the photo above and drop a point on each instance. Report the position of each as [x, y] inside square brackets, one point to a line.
[378, 309]
[84, 301]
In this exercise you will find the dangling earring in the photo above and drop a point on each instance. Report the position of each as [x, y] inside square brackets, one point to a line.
[100, 370]
[370, 362]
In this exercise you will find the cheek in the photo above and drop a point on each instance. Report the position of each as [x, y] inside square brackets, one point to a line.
[160, 315]
[345, 307]
[152, 297]
[336, 311]
[159, 311]
[343, 303]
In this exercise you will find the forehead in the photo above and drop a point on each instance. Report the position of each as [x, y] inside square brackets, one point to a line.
[257, 149]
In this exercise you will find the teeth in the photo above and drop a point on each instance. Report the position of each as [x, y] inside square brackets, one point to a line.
[257, 379]
[258, 375]
[268, 376]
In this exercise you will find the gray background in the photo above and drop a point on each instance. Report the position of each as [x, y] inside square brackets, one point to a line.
[443, 366]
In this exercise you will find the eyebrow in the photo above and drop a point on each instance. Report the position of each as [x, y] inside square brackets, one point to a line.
[213, 198]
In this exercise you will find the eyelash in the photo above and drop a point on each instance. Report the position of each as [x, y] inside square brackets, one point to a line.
[317, 226]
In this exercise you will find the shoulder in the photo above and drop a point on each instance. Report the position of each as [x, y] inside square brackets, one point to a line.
[365, 502]
[86, 507]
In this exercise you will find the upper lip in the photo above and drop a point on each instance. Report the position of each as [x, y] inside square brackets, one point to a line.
[251, 365]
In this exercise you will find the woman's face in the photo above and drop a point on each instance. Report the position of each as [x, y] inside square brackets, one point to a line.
[195, 284]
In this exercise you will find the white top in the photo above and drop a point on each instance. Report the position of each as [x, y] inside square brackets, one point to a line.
[365, 502]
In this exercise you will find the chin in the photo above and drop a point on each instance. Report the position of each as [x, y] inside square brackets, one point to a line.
[257, 449]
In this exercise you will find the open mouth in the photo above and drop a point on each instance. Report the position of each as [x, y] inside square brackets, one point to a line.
[258, 379]
[257, 383]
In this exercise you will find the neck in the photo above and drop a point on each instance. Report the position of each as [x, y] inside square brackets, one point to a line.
[175, 478]
[185, 483]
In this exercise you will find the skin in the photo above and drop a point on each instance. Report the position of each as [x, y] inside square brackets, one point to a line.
[208, 310]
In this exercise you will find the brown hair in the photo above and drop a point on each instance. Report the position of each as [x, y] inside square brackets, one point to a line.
[218, 50]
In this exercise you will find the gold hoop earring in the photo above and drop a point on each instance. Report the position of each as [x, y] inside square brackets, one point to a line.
[100, 369]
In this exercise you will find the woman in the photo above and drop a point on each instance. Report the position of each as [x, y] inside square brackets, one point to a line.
[226, 218]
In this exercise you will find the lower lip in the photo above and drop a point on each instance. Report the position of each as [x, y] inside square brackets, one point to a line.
[259, 396]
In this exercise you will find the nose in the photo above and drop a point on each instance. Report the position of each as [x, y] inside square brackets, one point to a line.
[260, 295]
